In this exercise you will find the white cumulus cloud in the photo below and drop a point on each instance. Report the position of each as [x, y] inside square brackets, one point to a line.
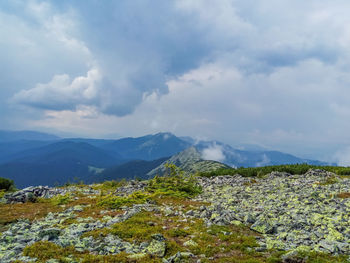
[62, 92]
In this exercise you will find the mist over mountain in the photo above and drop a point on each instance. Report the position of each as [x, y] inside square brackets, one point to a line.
[32, 158]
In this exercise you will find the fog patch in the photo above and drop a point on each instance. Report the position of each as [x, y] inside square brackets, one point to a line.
[342, 157]
[214, 153]
[265, 160]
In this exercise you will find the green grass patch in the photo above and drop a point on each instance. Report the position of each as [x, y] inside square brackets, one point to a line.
[44, 250]
[176, 232]
[60, 199]
[110, 185]
[114, 202]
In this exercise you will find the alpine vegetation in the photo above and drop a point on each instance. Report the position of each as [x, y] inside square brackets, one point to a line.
[273, 217]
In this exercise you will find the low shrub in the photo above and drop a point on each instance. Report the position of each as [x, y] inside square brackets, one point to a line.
[45, 250]
[288, 168]
[6, 184]
[114, 202]
[174, 183]
[61, 199]
[110, 185]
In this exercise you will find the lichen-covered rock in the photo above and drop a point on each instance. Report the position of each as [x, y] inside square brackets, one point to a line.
[157, 247]
[23, 233]
[190, 243]
[294, 210]
[263, 226]
[30, 193]
[50, 233]
[179, 257]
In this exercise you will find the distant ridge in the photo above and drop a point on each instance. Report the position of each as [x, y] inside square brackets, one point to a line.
[8, 136]
[34, 158]
[190, 161]
[149, 147]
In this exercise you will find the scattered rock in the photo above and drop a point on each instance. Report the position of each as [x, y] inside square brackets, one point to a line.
[157, 247]
[190, 243]
[291, 211]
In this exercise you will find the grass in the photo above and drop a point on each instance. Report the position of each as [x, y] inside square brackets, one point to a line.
[138, 228]
[110, 185]
[218, 243]
[61, 199]
[343, 195]
[45, 250]
[314, 257]
[12, 212]
[261, 171]
[114, 202]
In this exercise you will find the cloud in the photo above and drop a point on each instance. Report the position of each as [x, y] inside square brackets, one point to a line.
[268, 72]
[214, 153]
[61, 92]
[137, 57]
[265, 161]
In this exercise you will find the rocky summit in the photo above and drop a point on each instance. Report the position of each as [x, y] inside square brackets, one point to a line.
[278, 217]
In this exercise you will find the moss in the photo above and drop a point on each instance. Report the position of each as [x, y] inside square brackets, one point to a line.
[329, 180]
[2, 193]
[44, 250]
[178, 232]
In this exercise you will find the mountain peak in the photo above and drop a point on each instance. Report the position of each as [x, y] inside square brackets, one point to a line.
[165, 135]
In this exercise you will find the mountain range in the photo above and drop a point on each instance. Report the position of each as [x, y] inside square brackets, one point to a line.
[34, 158]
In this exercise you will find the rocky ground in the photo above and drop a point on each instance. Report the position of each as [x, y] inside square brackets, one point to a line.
[276, 218]
[303, 212]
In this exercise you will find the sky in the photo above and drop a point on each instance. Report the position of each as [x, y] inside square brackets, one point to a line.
[272, 73]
